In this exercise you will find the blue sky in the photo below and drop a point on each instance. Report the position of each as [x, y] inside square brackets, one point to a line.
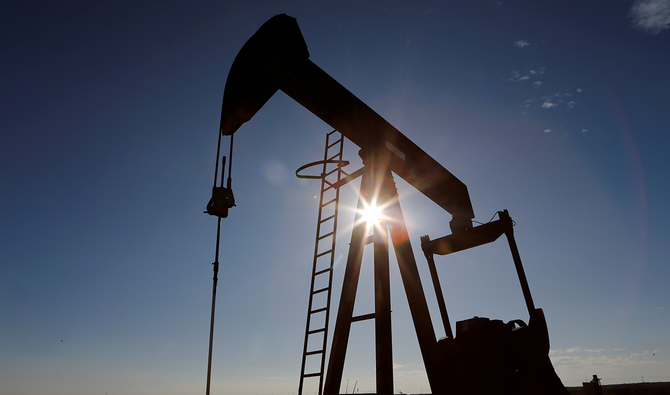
[556, 111]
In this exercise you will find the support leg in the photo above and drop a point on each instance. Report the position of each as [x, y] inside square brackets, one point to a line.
[438, 289]
[383, 340]
[346, 308]
[509, 232]
[413, 288]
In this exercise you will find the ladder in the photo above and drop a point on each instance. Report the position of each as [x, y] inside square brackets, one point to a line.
[318, 311]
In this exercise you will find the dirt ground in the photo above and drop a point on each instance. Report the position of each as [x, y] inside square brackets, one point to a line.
[629, 389]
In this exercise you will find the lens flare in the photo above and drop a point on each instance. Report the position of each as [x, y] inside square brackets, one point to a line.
[371, 214]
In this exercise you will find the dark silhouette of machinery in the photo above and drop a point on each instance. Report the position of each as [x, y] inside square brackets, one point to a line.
[485, 356]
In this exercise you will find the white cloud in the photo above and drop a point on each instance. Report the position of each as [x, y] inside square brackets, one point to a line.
[572, 104]
[652, 16]
[584, 130]
[537, 84]
[576, 349]
[521, 43]
[579, 90]
[517, 77]
[578, 358]
[547, 130]
[405, 380]
[548, 104]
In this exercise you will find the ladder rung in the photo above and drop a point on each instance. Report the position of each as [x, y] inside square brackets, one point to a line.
[322, 271]
[324, 253]
[318, 291]
[363, 317]
[326, 235]
[331, 185]
[329, 202]
[314, 352]
[369, 240]
[330, 172]
[312, 374]
[316, 331]
[336, 141]
[328, 218]
[318, 310]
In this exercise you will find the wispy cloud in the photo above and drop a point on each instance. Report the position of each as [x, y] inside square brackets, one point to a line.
[601, 359]
[576, 349]
[652, 16]
[541, 99]
[409, 376]
[550, 101]
[519, 77]
[521, 43]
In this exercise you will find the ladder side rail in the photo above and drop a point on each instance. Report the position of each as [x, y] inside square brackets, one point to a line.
[313, 280]
[331, 265]
[316, 270]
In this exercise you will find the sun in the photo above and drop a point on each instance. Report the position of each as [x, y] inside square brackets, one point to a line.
[371, 214]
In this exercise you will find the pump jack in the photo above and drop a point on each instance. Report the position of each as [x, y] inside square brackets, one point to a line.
[486, 356]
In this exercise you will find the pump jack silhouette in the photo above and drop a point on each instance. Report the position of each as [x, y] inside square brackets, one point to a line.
[486, 356]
